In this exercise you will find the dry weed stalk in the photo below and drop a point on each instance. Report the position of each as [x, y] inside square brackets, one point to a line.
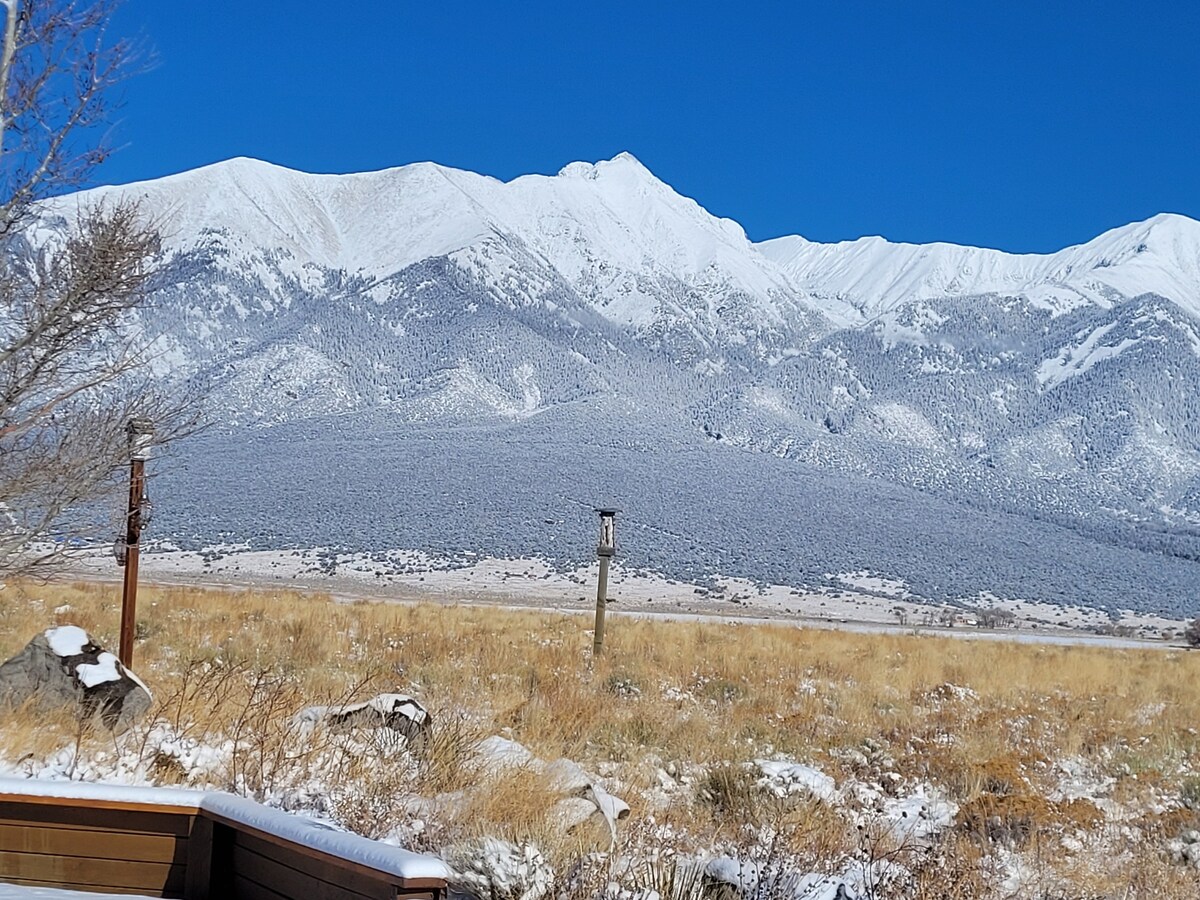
[989, 723]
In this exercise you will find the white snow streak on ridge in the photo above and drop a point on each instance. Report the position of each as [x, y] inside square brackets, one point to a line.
[1075, 360]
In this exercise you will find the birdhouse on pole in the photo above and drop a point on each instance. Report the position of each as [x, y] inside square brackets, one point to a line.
[608, 531]
[141, 434]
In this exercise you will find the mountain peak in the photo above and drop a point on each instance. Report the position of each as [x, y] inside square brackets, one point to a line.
[622, 163]
[627, 158]
[1171, 228]
[1176, 220]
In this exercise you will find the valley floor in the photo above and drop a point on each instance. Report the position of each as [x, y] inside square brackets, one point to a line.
[865, 604]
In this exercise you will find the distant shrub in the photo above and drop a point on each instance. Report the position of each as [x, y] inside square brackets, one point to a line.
[1192, 633]
[1190, 793]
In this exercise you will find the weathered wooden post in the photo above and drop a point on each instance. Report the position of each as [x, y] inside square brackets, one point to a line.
[606, 550]
[141, 434]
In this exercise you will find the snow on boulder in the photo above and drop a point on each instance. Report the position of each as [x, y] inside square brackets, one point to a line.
[784, 777]
[396, 712]
[498, 753]
[492, 869]
[585, 796]
[64, 666]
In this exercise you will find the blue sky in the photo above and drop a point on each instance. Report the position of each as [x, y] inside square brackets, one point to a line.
[1024, 126]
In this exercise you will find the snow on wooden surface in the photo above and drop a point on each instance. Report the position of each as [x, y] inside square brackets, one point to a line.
[321, 836]
[109, 793]
[307, 832]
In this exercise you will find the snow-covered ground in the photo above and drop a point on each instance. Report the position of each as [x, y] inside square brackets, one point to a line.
[865, 603]
[876, 788]
[911, 814]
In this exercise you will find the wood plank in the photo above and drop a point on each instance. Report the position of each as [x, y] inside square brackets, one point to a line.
[89, 888]
[245, 832]
[247, 889]
[146, 877]
[198, 881]
[87, 817]
[94, 843]
[419, 887]
[302, 885]
[114, 805]
[258, 854]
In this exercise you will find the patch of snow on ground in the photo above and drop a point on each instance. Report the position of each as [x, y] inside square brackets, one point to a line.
[500, 870]
[751, 879]
[919, 815]
[866, 602]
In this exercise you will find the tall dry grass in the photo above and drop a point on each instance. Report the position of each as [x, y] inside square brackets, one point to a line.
[991, 724]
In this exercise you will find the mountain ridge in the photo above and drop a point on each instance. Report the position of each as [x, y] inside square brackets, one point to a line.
[597, 321]
[849, 282]
[881, 274]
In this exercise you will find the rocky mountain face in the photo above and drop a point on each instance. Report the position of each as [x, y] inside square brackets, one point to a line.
[434, 311]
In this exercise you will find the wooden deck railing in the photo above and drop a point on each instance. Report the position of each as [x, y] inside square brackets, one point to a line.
[193, 846]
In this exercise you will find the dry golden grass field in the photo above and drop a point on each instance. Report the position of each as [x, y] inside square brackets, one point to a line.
[1072, 771]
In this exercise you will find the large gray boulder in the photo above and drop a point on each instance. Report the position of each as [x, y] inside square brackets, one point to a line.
[64, 666]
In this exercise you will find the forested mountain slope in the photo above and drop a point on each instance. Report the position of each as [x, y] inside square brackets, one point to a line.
[598, 322]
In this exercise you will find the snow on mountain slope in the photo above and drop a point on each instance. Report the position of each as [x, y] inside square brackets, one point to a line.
[628, 245]
[858, 280]
[612, 230]
[375, 222]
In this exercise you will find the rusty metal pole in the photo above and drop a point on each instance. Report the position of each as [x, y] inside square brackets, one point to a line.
[606, 550]
[140, 432]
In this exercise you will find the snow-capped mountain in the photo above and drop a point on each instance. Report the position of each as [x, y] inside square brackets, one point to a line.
[596, 322]
[860, 279]
[627, 246]
[631, 249]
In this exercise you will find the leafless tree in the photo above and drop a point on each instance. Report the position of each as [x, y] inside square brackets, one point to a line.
[72, 272]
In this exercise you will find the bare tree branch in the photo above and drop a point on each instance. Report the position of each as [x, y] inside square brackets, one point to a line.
[7, 51]
[73, 356]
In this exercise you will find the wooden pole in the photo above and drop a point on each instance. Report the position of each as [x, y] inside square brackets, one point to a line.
[133, 534]
[601, 602]
[606, 550]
